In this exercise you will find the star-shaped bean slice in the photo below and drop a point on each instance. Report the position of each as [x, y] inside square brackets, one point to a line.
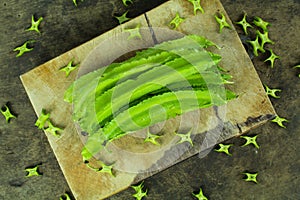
[256, 46]
[42, 119]
[69, 68]
[224, 148]
[244, 24]
[152, 138]
[7, 113]
[134, 32]
[264, 38]
[32, 171]
[176, 21]
[103, 168]
[53, 129]
[250, 140]
[23, 48]
[222, 22]
[125, 2]
[261, 23]
[35, 24]
[272, 58]
[123, 18]
[197, 6]
[139, 191]
[272, 92]
[200, 195]
[279, 121]
[185, 137]
[251, 177]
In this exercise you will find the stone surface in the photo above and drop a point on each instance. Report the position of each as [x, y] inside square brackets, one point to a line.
[66, 27]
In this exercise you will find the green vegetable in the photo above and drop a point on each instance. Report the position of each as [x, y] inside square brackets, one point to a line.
[53, 129]
[279, 121]
[35, 24]
[69, 68]
[123, 18]
[261, 23]
[185, 138]
[139, 191]
[23, 49]
[197, 6]
[264, 38]
[32, 171]
[169, 79]
[152, 138]
[222, 21]
[134, 32]
[103, 168]
[272, 58]
[200, 195]
[251, 177]
[7, 113]
[272, 92]
[256, 46]
[176, 21]
[244, 24]
[42, 119]
[250, 140]
[224, 148]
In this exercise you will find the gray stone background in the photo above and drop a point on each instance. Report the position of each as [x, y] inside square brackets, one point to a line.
[66, 26]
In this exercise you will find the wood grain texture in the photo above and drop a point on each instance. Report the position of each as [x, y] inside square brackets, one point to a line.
[45, 86]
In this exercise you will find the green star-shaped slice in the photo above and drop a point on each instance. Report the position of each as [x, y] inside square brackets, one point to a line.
[35, 24]
[176, 21]
[139, 191]
[222, 21]
[53, 129]
[297, 66]
[42, 119]
[152, 138]
[200, 195]
[7, 113]
[272, 92]
[32, 171]
[185, 137]
[264, 38]
[251, 177]
[224, 148]
[272, 58]
[23, 49]
[125, 2]
[250, 140]
[261, 23]
[256, 46]
[197, 6]
[279, 121]
[65, 197]
[134, 32]
[103, 169]
[244, 24]
[69, 68]
[123, 18]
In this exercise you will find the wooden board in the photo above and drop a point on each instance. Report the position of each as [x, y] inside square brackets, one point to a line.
[45, 86]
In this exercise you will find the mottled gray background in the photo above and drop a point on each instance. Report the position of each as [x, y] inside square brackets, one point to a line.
[65, 27]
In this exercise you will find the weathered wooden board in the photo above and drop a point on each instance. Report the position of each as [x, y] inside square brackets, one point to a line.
[45, 86]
